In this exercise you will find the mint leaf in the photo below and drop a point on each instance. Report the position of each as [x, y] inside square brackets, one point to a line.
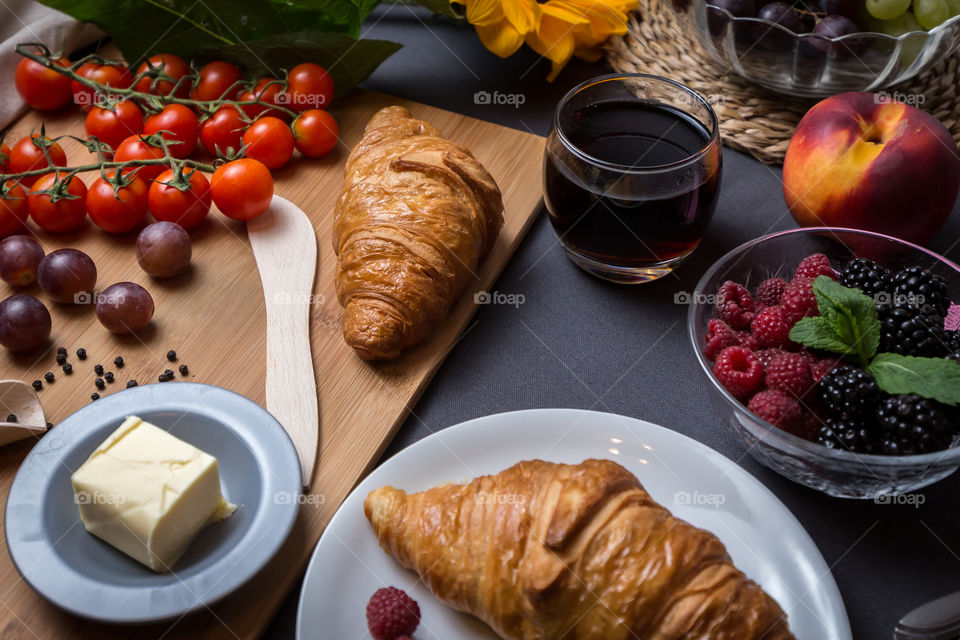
[935, 378]
[852, 314]
[818, 333]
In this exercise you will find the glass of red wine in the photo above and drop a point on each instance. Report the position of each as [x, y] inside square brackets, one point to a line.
[631, 175]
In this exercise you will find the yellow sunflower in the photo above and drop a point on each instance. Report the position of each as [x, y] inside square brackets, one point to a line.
[556, 29]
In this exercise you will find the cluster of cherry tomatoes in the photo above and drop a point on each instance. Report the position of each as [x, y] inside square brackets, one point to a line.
[147, 126]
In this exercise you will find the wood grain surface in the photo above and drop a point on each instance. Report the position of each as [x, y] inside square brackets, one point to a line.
[214, 317]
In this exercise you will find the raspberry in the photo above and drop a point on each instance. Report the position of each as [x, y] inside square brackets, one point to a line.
[770, 291]
[790, 373]
[746, 340]
[813, 266]
[735, 305]
[739, 371]
[392, 614]
[768, 355]
[780, 410]
[820, 368]
[769, 328]
[719, 337]
[798, 301]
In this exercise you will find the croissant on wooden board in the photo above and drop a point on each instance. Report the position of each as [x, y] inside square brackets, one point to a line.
[543, 551]
[416, 216]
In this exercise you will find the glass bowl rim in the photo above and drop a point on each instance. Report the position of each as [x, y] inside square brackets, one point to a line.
[714, 140]
[782, 440]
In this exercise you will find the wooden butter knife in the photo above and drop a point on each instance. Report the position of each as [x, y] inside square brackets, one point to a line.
[285, 248]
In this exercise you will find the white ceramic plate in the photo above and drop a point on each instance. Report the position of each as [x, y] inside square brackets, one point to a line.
[695, 482]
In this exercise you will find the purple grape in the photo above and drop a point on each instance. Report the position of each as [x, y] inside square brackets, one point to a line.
[68, 276]
[125, 307]
[24, 323]
[782, 14]
[19, 258]
[717, 20]
[163, 249]
[835, 27]
[846, 8]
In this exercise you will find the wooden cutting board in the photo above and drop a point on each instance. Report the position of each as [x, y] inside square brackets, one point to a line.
[214, 318]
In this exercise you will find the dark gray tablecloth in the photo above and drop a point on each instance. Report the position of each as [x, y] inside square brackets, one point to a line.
[575, 336]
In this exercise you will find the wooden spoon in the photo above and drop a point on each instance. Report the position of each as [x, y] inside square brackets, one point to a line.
[18, 398]
[285, 247]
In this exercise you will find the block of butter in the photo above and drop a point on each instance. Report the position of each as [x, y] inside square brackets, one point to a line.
[148, 493]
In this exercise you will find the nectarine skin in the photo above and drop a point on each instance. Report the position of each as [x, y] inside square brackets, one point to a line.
[862, 162]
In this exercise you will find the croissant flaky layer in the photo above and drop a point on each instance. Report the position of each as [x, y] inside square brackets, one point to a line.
[543, 551]
[416, 216]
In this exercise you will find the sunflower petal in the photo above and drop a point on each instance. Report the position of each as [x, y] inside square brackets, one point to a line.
[553, 40]
[501, 38]
[522, 14]
[484, 12]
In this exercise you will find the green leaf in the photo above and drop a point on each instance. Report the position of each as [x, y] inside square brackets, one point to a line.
[935, 378]
[852, 314]
[818, 333]
[444, 7]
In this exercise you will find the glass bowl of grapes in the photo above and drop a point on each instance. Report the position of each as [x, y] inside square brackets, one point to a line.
[833, 355]
[818, 48]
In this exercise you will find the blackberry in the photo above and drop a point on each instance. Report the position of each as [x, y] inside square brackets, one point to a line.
[909, 424]
[913, 331]
[848, 392]
[868, 276]
[917, 287]
[953, 339]
[847, 435]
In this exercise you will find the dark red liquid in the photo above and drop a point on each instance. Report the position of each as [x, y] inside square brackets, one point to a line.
[640, 221]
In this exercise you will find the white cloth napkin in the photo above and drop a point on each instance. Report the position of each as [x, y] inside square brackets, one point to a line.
[28, 21]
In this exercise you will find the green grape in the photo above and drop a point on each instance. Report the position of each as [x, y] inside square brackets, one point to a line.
[954, 6]
[930, 13]
[904, 24]
[887, 9]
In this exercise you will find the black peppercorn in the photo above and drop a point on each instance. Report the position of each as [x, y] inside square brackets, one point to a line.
[98, 369]
[131, 383]
[99, 383]
[82, 354]
[172, 355]
[37, 385]
[62, 350]
[12, 418]
[61, 358]
[183, 370]
[94, 396]
[118, 362]
[48, 376]
[68, 368]
[168, 373]
[49, 426]
[108, 376]
[163, 378]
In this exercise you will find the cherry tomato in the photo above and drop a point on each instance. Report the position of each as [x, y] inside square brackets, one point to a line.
[217, 80]
[42, 88]
[169, 65]
[65, 214]
[114, 124]
[27, 156]
[117, 212]
[108, 74]
[263, 91]
[181, 123]
[269, 140]
[13, 210]
[223, 131]
[242, 189]
[315, 133]
[135, 148]
[4, 156]
[309, 86]
[187, 208]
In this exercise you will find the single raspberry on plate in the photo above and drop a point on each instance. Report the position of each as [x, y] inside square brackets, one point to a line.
[780, 410]
[392, 614]
[769, 328]
[790, 373]
[813, 266]
[719, 337]
[735, 305]
[739, 371]
[798, 301]
[770, 291]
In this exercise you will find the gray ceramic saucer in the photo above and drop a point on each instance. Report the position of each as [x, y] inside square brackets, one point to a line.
[74, 570]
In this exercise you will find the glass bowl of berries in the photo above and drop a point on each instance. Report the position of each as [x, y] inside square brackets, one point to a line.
[834, 355]
[825, 47]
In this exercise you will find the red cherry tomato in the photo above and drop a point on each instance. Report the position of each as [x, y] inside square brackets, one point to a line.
[166, 64]
[114, 124]
[223, 131]
[42, 88]
[65, 214]
[4, 156]
[242, 189]
[27, 156]
[269, 140]
[109, 74]
[13, 210]
[187, 208]
[117, 212]
[135, 148]
[315, 133]
[217, 80]
[181, 123]
[266, 90]
[309, 86]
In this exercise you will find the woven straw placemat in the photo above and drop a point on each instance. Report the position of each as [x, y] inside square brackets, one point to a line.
[752, 119]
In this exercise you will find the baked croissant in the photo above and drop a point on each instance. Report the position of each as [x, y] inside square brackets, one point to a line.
[544, 551]
[416, 216]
